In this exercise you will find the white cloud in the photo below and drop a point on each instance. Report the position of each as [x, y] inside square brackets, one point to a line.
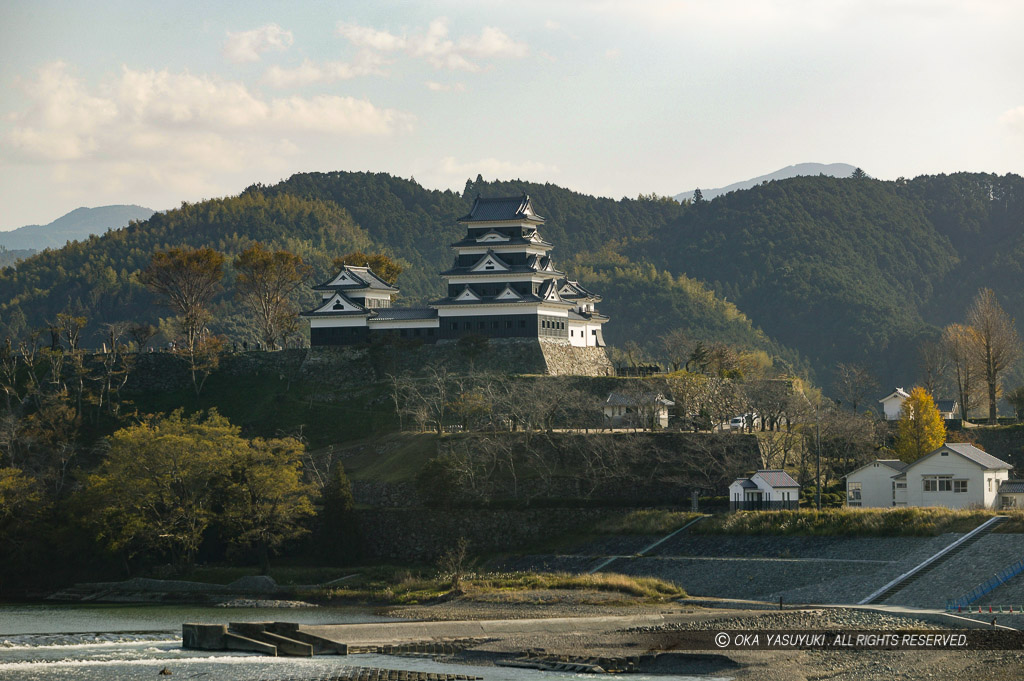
[436, 47]
[309, 72]
[1014, 119]
[248, 46]
[176, 129]
[434, 86]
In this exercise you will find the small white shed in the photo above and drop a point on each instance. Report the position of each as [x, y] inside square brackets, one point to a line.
[768, 489]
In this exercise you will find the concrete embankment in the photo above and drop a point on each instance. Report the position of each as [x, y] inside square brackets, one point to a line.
[801, 569]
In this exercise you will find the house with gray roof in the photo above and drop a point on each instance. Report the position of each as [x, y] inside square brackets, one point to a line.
[956, 475]
[645, 410]
[767, 489]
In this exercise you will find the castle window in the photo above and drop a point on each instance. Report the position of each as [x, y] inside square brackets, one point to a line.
[522, 323]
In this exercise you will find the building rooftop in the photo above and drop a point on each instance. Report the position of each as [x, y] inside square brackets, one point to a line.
[777, 478]
[1011, 487]
[501, 209]
[624, 400]
[354, 278]
[976, 455]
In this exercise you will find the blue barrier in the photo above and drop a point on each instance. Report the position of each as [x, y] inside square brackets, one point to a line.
[982, 589]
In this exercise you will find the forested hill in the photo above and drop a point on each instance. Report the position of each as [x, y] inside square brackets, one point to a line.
[855, 270]
[835, 269]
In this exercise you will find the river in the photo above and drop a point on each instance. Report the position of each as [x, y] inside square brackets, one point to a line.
[113, 642]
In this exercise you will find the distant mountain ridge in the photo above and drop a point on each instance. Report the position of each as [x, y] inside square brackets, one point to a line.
[798, 170]
[76, 225]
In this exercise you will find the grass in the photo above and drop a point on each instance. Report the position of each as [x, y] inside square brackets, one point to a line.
[648, 521]
[405, 587]
[848, 522]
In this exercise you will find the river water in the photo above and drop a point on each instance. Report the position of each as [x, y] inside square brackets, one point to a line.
[113, 642]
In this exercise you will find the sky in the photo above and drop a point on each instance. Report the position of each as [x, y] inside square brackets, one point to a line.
[156, 103]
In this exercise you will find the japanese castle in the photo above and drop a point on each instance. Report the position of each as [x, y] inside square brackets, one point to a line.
[503, 284]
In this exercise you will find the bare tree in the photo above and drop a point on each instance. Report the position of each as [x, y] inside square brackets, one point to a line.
[676, 345]
[995, 342]
[957, 342]
[853, 383]
[934, 363]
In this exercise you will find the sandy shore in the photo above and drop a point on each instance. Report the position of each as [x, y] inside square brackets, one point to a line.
[657, 642]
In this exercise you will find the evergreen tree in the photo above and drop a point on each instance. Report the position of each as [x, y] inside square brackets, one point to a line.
[337, 537]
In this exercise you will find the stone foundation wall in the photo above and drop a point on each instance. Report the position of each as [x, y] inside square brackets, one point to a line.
[563, 359]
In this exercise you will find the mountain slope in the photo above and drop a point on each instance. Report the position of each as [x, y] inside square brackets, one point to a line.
[78, 224]
[798, 170]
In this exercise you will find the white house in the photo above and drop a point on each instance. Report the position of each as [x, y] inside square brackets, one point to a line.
[764, 490]
[647, 410]
[892, 403]
[1011, 494]
[956, 475]
[872, 485]
[948, 409]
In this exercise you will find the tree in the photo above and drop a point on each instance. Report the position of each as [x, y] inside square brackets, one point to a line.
[698, 196]
[853, 383]
[336, 522]
[995, 343]
[157, 486]
[858, 174]
[187, 279]
[141, 334]
[383, 266]
[920, 428]
[957, 343]
[264, 285]
[1016, 398]
[266, 498]
[934, 365]
[676, 345]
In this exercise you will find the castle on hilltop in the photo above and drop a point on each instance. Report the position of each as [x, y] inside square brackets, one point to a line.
[503, 284]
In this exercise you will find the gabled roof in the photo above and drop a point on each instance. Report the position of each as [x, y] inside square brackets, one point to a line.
[894, 464]
[549, 292]
[351, 278]
[776, 478]
[338, 305]
[983, 459]
[945, 405]
[497, 264]
[624, 400]
[745, 483]
[502, 209]
[570, 288]
[1011, 487]
[897, 392]
[976, 455]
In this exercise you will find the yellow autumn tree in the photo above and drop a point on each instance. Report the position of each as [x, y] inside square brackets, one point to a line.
[920, 428]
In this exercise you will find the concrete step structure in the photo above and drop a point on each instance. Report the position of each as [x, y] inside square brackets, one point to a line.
[921, 571]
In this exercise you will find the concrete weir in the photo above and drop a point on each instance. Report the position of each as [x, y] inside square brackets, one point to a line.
[268, 638]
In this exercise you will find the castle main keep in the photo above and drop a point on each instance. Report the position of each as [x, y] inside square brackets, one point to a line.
[503, 284]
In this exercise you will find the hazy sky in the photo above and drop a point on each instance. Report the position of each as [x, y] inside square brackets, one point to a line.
[155, 103]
